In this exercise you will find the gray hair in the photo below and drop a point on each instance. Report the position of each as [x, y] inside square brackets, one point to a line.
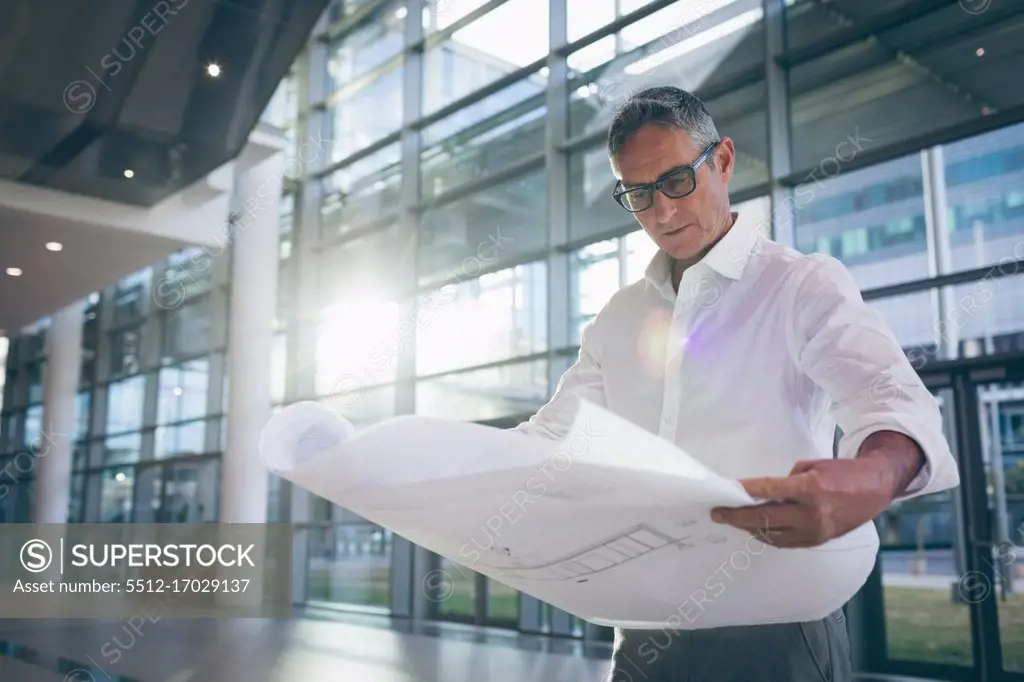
[667, 106]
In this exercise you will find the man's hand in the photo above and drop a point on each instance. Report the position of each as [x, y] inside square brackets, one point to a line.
[824, 498]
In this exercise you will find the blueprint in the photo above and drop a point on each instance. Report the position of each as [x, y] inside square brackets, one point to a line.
[611, 523]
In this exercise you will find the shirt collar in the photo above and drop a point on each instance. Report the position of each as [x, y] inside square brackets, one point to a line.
[728, 258]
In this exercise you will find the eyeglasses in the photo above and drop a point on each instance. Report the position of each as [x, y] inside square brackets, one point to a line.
[675, 184]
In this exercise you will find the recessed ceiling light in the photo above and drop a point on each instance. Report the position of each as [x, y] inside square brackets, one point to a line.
[980, 52]
[213, 70]
[129, 173]
[54, 246]
[14, 272]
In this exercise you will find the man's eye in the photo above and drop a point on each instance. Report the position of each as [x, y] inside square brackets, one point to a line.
[676, 185]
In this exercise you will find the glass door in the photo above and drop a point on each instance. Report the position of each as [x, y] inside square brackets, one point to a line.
[927, 628]
[1000, 580]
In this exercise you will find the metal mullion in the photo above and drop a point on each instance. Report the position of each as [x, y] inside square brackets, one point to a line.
[505, 81]
[424, 43]
[380, 144]
[743, 79]
[486, 124]
[461, 191]
[622, 22]
[519, 360]
[994, 271]
[907, 146]
[778, 121]
[376, 227]
[525, 258]
[353, 21]
[360, 82]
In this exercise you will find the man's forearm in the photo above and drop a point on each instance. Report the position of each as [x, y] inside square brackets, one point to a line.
[902, 455]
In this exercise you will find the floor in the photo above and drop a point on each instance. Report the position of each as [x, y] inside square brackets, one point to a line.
[306, 649]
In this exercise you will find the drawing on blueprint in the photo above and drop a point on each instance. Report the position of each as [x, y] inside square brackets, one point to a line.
[614, 550]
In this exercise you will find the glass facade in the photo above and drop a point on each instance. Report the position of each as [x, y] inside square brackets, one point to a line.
[445, 256]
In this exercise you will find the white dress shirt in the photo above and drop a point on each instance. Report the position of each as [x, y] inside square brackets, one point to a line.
[752, 365]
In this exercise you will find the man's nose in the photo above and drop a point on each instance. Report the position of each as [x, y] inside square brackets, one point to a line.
[664, 207]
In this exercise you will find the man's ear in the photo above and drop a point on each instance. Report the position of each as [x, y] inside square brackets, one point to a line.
[725, 158]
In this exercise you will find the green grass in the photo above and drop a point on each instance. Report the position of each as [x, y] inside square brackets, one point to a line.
[374, 590]
[925, 625]
[921, 624]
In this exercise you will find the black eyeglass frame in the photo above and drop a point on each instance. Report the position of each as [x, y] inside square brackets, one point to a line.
[659, 184]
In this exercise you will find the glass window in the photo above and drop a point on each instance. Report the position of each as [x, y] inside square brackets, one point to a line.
[191, 492]
[278, 368]
[112, 491]
[124, 404]
[148, 491]
[485, 137]
[687, 44]
[359, 340]
[130, 296]
[495, 317]
[504, 40]
[283, 108]
[33, 426]
[180, 440]
[964, 320]
[881, 241]
[360, 402]
[595, 278]
[373, 264]
[370, 45]
[183, 391]
[186, 330]
[586, 16]
[8, 431]
[440, 14]
[35, 381]
[285, 225]
[349, 563]
[90, 339]
[83, 414]
[986, 214]
[122, 449]
[459, 239]
[125, 349]
[187, 273]
[365, 113]
[362, 194]
[505, 391]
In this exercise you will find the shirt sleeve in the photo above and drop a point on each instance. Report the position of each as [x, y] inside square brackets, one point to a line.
[845, 346]
[583, 380]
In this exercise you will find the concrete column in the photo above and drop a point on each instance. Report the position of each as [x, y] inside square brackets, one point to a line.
[250, 340]
[60, 386]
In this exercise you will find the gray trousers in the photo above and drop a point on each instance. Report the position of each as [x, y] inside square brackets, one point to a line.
[817, 651]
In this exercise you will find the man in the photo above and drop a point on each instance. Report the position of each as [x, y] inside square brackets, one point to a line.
[747, 354]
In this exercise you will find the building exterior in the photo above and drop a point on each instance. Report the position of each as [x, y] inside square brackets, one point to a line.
[462, 152]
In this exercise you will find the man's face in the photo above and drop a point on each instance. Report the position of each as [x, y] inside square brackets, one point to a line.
[684, 228]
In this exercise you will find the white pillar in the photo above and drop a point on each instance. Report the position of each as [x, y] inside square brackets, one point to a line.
[53, 456]
[254, 270]
[940, 259]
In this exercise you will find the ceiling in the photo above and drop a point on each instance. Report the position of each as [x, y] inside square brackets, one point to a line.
[89, 88]
[90, 257]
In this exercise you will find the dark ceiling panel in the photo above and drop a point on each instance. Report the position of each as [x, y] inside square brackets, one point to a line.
[91, 87]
